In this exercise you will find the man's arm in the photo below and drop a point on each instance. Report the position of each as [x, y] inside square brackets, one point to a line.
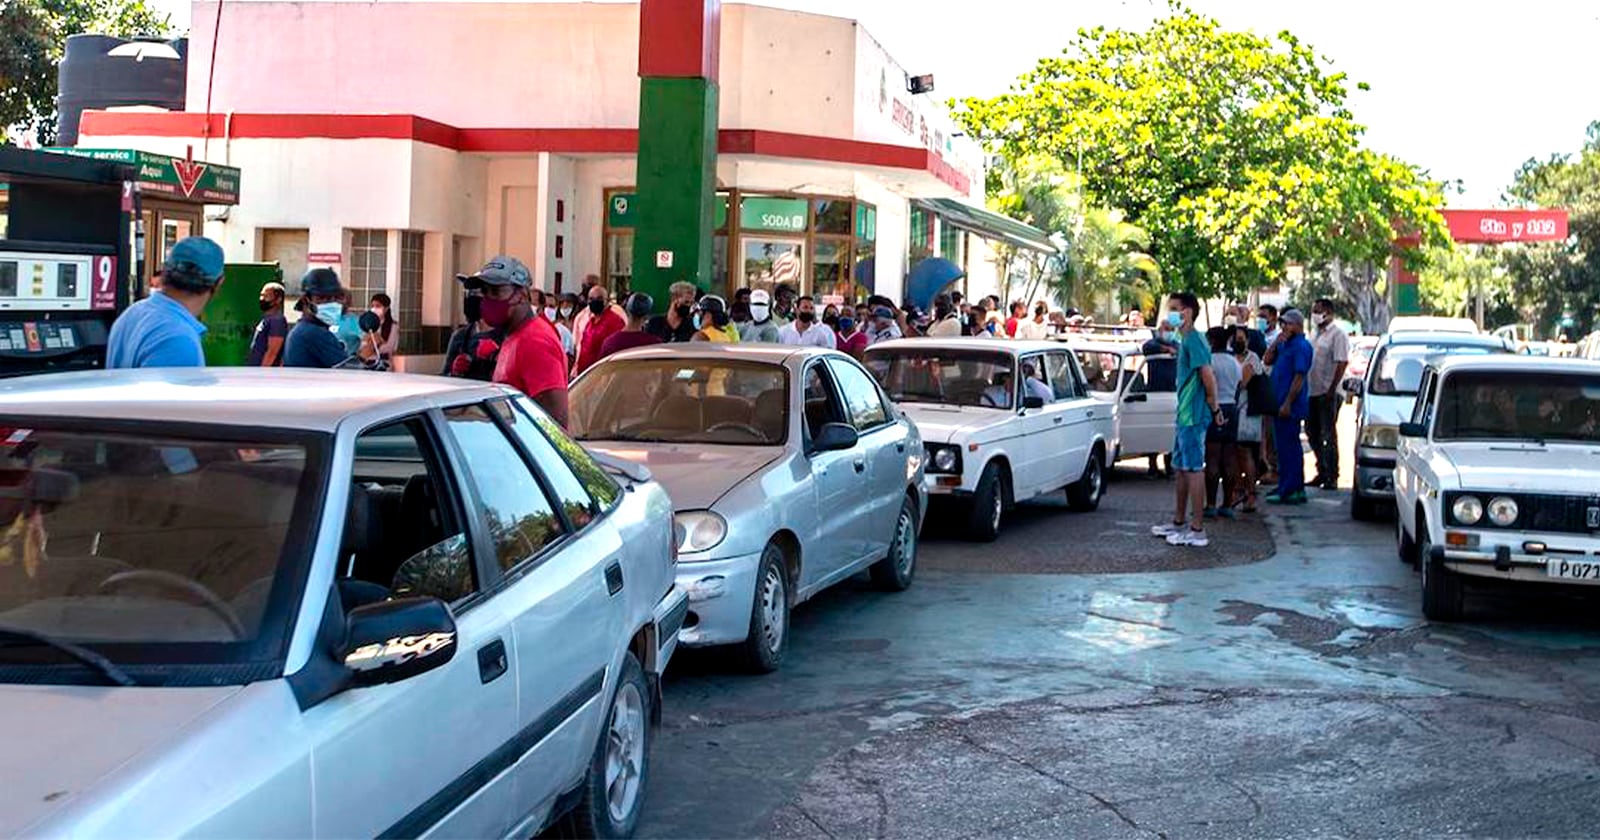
[1209, 379]
[1272, 351]
[554, 403]
[1341, 359]
[274, 351]
[1294, 391]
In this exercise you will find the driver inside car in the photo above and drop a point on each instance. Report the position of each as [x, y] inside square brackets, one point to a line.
[998, 394]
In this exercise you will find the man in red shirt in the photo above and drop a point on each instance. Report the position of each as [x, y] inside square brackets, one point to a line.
[604, 322]
[531, 357]
[1019, 310]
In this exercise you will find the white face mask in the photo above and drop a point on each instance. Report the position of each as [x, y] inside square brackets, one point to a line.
[566, 312]
[550, 312]
[760, 311]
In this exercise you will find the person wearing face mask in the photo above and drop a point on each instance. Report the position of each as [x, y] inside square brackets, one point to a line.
[883, 326]
[164, 329]
[638, 306]
[531, 359]
[945, 324]
[1267, 322]
[848, 337]
[678, 323]
[266, 345]
[806, 331]
[1330, 356]
[783, 308]
[604, 322]
[761, 328]
[712, 321]
[312, 343]
[1247, 434]
[552, 306]
[381, 345]
[474, 346]
[1197, 410]
[1289, 359]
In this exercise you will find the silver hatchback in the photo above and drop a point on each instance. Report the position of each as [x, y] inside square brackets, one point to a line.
[320, 604]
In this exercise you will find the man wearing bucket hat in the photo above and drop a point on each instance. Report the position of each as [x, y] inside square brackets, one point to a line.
[164, 330]
[532, 359]
[312, 343]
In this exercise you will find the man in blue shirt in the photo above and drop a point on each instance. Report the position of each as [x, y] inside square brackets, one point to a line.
[312, 344]
[1290, 359]
[1197, 410]
[164, 329]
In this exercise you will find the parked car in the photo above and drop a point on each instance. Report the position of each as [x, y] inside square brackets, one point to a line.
[1002, 421]
[789, 469]
[236, 606]
[1117, 374]
[1387, 393]
[1498, 476]
[1432, 323]
[1361, 349]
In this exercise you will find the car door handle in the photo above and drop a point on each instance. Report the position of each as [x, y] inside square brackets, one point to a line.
[861, 466]
[492, 661]
[1089, 414]
[1057, 420]
[900, 447]
[614, 577]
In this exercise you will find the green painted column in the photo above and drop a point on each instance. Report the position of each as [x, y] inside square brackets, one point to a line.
[677, 184]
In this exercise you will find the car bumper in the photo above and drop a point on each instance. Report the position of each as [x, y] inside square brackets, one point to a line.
[720, 595]
[1375, 473]
[945, 484]
[669, 616]
[1504, 563]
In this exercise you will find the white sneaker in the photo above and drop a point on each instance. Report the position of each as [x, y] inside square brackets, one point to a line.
[1198, 539]
[1164, 531]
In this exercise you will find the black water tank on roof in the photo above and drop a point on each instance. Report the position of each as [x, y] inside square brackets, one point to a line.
[90, 79]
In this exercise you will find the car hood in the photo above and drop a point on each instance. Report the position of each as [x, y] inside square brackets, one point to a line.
[61, 740]
[1382, 410]
[945, 423]
[694, 475]
[1557, 468]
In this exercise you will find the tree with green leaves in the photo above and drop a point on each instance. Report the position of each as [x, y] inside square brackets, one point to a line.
[1559, 279]
[1034, 190]
[35, 38]
[1106, 258]
[1236, 153]
[1456, 277]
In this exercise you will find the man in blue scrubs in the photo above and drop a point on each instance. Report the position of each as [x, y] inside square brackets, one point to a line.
[164, 330]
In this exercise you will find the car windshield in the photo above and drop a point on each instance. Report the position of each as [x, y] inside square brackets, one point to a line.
[1398, 370]
[134, 542]
[1519, 405]
[734, 402]
[1100, 369]
[949, 377]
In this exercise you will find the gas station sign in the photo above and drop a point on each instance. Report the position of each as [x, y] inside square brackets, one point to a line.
[185, 179]
[1493, 226]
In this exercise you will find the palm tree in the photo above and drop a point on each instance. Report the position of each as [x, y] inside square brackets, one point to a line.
[1106, 258]
[1038, 191]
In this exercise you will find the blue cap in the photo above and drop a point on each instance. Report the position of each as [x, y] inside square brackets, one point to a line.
[198, 256]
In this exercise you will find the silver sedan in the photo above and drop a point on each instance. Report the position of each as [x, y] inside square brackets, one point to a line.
[788, 467]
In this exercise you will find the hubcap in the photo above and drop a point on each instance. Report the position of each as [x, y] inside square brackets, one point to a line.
[997, 509]
[625, 753]
[772, 609]
[1094, 478]
[905, 537]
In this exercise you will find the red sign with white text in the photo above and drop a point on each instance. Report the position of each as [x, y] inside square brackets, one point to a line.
[1506, 225]
[103, 292]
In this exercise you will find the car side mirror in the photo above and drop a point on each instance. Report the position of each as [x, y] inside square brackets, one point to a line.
[1032, 402]
[1355, 386]
[393, 640]
[835, 436]
[1140, 397]
[1413, 430]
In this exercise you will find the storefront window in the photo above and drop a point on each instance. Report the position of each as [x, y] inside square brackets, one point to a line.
[921, 235]
[832, 215]
[369, 265]
[953, 243]
[830, 270]
[619, 262]
[408, 304]
[768, 262]
[719, 265]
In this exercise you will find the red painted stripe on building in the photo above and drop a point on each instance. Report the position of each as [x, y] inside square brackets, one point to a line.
[730, 141]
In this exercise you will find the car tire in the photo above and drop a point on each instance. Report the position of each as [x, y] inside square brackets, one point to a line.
[894, 572]
[762, 650]
[1442, 595]
[1363, 509]
[988, 505]
[1084, 495]
[1405, 546]
[610, 808]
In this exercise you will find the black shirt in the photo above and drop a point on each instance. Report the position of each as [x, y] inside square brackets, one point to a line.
[465, 339]
[312, 345]
[270, 326]
[1161, 366]
[658, 327]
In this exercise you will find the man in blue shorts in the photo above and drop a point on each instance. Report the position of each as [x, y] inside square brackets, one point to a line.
[1197, 410]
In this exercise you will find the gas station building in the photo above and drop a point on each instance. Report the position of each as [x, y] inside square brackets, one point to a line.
[404, 142]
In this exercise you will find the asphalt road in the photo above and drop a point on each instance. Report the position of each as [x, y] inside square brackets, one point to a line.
[1077, 678]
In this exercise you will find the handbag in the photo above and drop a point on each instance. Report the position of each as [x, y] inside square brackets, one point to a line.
[1261, 400]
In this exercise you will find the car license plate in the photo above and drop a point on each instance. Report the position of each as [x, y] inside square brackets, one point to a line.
[1573, 569]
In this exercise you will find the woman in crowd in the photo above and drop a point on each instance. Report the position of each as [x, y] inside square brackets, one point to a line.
[1220, 435]
[1247, 444]
[381, 345]
[849, 337]
[712, 322]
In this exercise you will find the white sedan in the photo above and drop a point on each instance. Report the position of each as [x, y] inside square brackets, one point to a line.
[1002, 421]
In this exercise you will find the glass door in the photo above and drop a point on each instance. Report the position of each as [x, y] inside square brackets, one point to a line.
[770, 260]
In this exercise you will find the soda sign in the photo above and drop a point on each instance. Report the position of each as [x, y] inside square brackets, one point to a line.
[1489, 226]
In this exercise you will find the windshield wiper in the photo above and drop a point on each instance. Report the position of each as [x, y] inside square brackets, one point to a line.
[82, 654]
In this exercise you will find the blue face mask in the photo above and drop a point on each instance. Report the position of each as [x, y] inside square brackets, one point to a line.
[699, 321]
[329, 313]
[1174, 319]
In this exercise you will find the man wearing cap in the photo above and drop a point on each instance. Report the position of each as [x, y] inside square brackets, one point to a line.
[638, 306]
[312, 343]
[164, 329]
[531, 358]
[266, 346]
[1290, 358]
[762, 327]
[883, 326]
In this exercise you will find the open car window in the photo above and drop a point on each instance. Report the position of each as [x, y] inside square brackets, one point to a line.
[723, 401]
[951, 377]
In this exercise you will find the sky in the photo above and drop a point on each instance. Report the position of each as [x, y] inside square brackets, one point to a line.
[1467, 89]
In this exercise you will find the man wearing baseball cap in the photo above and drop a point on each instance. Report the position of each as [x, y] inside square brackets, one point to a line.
[164, 329]
[762, 327]
[531, 359]
[312, 343]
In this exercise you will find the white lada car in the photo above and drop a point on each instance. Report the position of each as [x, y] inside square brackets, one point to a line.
[1498, 476]
[1001, 421]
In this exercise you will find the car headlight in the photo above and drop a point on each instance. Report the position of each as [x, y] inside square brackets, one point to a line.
[699, 530]
[1381, 437]
[1503, 511]
[1467, 510]
[944, 459]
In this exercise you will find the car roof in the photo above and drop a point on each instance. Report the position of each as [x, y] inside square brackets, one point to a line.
[1521, 364]
[999, 345]
[1453, 339]
[1121, 348]
[272, 398]
[761, 352]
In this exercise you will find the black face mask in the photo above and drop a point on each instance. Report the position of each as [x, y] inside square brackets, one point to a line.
[807, 316]
[596, 306]
[266, 305]
[685, 311]
[472, 309]
[831, 320]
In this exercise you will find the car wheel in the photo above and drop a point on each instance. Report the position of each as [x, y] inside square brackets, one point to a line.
[988, 505]
[894, 572]
[1406, 547]
[762, 651]
[1084, 494]
[1442, 596]
[613, 789]
[1363, 509]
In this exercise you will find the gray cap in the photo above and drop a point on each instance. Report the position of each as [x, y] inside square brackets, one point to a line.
[1293, 316]
[500, 271]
